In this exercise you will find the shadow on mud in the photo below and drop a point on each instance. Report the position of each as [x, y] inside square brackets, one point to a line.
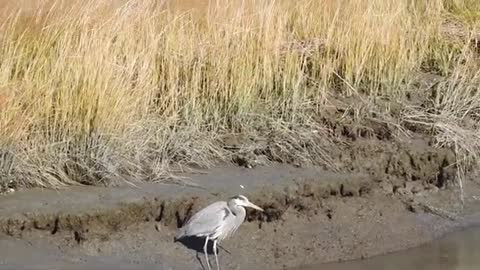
[196, 244]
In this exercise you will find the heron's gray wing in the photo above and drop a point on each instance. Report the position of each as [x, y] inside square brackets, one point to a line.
[207, 221]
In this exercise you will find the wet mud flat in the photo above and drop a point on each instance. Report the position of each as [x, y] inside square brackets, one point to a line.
[311, 216]
[458, 250]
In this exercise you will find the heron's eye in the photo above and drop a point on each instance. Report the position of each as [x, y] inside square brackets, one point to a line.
[240, 199]
[240, 202]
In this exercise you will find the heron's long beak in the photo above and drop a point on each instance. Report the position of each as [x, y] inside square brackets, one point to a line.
[249, 204]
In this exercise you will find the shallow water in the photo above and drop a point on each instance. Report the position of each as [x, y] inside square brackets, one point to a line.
[457, 251]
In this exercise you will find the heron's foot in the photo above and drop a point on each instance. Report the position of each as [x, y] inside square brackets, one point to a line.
[209, 267]
[224, 249]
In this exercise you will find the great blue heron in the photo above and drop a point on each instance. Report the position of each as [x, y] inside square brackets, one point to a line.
[216, 222]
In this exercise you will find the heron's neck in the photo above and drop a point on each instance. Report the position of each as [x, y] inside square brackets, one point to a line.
[238, 211]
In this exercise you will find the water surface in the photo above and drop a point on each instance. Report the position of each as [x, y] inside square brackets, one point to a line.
[457, 251]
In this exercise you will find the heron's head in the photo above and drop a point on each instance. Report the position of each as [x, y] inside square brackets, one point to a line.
[241, 200]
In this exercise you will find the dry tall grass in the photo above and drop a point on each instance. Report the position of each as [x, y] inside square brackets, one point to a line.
[106, 91]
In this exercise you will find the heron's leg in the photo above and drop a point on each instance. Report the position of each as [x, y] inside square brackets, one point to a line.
[206, 253]
[215, 252]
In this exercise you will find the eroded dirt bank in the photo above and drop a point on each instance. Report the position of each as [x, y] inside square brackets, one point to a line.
[311, 216]
[378, 194]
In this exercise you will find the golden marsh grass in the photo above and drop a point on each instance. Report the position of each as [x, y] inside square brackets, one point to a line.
[101, 91]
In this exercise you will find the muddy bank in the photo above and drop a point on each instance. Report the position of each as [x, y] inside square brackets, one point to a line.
[380, 193]
[311, 216]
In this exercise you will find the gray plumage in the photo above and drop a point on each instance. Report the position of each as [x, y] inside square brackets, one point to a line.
[217, 222]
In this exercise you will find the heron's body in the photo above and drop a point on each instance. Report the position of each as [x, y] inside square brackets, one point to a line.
[217, 222]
